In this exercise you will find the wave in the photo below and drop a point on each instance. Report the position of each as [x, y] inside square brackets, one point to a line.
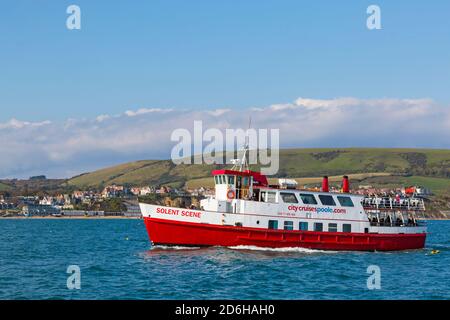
[286, 249]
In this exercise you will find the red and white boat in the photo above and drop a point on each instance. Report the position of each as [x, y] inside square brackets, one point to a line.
[246, 211]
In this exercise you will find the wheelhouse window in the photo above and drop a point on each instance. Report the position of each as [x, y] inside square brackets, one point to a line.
[346, 227]
[216, 179]
[273, 224]
[271, 197]
[288, 197]
[327, 200]
[318, 226]
[288, 225]
[345, 201]
[332, 227]
[303, 226]
[308, 198]
[231, 180]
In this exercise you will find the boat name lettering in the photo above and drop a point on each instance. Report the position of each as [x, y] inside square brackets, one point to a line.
[194, 214]
[168, 211]
[317, 210]
[177, 212]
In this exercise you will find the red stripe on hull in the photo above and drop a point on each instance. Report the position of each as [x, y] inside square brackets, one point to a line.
[169, 232]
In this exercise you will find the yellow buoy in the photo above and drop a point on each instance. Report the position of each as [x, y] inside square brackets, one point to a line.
[435, 251]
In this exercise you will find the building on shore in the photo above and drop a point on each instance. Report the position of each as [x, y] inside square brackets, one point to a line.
[133, 211]
[40, 210]
[82, 213]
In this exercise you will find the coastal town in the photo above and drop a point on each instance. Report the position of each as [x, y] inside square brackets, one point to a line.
[122, 201]
[112, 201]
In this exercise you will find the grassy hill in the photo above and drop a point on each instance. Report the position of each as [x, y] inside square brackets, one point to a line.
[4, 187]
[16, 187]
[427, 167]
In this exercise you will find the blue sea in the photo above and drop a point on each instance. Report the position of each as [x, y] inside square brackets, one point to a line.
[116, 261]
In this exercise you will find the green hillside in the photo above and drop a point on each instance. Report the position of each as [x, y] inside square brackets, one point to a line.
[410, 166]
[4, 187]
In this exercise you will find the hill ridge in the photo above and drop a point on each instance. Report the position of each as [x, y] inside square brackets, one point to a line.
[294, 162]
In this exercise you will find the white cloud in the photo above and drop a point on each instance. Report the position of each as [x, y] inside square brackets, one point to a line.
[332, 103]
[79, 145]
[142, 111]
[102, 117]
[218, 112]
[17, 124]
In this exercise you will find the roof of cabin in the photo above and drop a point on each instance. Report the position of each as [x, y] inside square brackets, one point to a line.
[233, 172]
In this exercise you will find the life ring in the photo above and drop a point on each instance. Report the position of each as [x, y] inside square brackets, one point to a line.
[231, 194]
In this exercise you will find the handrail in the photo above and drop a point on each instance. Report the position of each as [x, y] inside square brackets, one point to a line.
[383, 203]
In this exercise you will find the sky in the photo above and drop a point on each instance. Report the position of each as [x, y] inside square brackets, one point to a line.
[72, 101]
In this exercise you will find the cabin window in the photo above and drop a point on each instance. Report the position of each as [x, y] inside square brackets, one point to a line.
[345, 201]
[318, 226]
[288, 225]
[245, 181]
[288, 197]
[231, 180]
[303, 226]
[262, 196]
[346, 227]
[327, 200]
[332, 227]
[220, 179]
[216, 179]
[273, 224]
[267, 196]
[308, 198]
[271, 197]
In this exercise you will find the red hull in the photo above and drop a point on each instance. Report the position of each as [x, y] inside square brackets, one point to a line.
[168, 232]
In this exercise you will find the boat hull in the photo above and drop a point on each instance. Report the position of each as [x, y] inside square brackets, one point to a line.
[171, 232]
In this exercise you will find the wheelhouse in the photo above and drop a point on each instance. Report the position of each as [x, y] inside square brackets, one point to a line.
[231, 184]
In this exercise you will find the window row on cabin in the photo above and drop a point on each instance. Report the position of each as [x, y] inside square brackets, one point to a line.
[304, 226]
[229, 180]
[307, 198]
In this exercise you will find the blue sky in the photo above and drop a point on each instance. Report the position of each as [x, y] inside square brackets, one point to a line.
[146, 67]
[212, 54]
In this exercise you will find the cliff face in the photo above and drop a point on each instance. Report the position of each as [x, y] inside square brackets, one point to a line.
[445, 215]
[438, 207]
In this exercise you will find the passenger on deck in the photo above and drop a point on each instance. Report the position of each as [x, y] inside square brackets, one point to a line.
[388, 221]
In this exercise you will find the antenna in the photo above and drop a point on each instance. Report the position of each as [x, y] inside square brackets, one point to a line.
[244, 162]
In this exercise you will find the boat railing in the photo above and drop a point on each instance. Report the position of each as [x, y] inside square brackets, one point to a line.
[395, 218]
[389, 203]
[397, 223]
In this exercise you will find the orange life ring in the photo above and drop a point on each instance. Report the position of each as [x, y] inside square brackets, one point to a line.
[231, 194]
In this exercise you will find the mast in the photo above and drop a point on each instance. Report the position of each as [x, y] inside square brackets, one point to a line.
[244, 166]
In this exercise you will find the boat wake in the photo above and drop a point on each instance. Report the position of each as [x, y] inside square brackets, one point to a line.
[288, 249]
[162, 247]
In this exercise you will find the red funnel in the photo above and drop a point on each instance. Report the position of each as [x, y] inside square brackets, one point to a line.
[345, 185]
[325, 187]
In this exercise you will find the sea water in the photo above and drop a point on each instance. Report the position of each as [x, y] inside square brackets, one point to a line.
[116, 261]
